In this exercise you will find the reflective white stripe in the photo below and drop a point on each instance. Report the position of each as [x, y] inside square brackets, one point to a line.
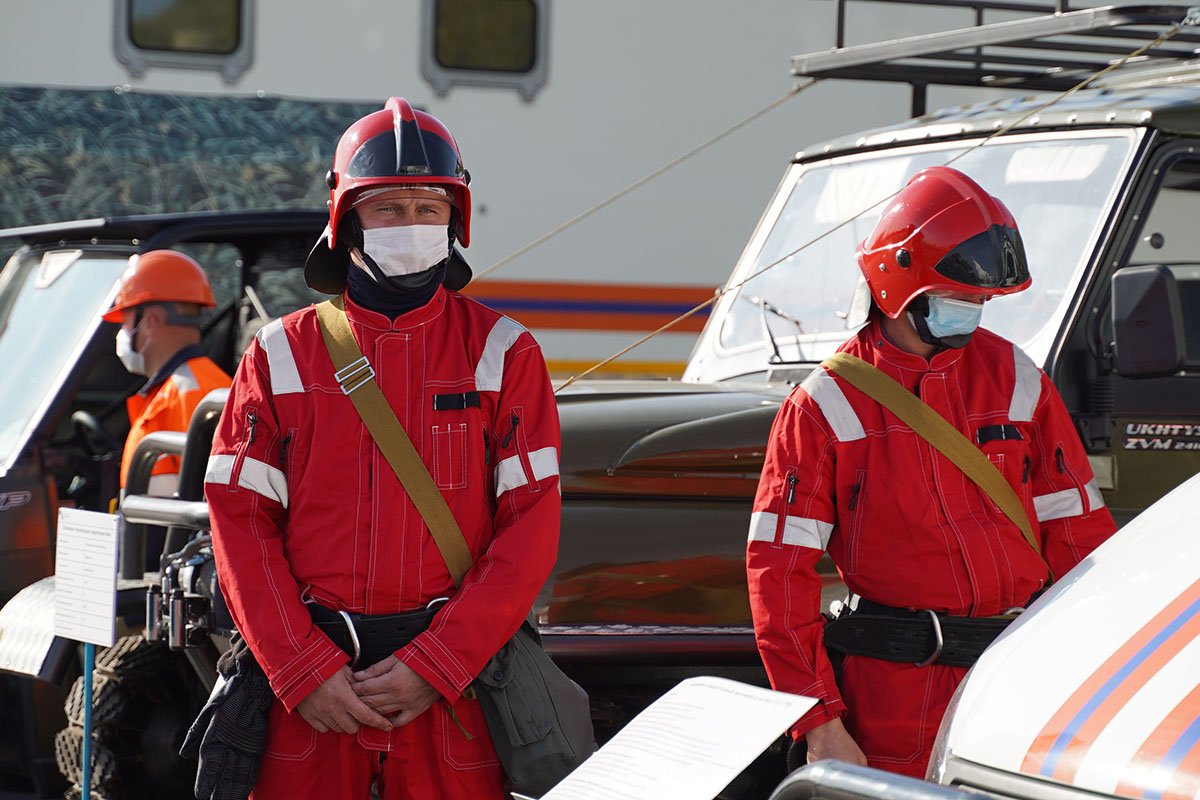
[510, 474]
[185, 379]
[837, 409]
[490, 371]
[1095, 499]
[798, 531]
[255, 476]
[1026, 389]
[285, 378]
[1067, 503]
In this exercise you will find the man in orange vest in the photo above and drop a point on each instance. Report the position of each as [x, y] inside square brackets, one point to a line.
[158, 305]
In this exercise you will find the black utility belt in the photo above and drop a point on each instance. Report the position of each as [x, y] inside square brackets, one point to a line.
[915, 637]
[370, 638]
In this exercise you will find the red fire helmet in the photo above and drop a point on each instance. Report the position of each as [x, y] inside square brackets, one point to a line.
[942, 231]
[397, 146]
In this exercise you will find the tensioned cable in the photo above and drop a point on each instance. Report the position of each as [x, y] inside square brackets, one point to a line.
[795, 90]
[1191, 20]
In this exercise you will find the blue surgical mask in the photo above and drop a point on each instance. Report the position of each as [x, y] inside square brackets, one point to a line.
[949, 317]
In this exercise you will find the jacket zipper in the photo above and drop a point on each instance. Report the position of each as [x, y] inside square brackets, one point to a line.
[857, 508]
[236, 473]
[521, 454]
[788, 492]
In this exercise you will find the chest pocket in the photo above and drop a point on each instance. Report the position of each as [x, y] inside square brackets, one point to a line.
[1008, 449]
[455, 415]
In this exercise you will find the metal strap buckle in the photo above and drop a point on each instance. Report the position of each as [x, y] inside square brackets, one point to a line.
[938, 642]
[353, 638]
[353, 376]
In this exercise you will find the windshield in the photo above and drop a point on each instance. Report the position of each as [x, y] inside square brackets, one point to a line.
[50, 304]
[1057, 189]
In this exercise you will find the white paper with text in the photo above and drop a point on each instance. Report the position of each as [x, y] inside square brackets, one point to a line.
[688, 745]
[85, 577]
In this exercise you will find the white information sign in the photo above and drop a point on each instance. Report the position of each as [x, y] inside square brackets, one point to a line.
[85, 577]
[688, 745]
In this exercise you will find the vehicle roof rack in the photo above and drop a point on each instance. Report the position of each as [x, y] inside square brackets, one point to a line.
[1052, 51]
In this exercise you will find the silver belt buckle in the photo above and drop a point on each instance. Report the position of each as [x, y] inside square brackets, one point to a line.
[353, 638]
[938, 642]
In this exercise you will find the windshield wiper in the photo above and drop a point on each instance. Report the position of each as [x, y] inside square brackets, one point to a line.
[765, 307]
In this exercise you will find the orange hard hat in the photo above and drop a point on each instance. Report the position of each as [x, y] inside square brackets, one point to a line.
[161, 276]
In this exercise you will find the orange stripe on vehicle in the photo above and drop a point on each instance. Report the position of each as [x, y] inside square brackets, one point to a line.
[1064, 741]
[595, 306]
[618, 368]
[1167, 765]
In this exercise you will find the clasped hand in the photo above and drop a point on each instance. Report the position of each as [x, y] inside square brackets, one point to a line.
[386, 695]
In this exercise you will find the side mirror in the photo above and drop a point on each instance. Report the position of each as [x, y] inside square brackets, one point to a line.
[1147, 322]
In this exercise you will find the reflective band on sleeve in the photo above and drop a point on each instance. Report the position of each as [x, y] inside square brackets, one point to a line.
[797, 531]
[490, 371]
[1026, 389]
[1095, 499]
[1067, 503]
[255, 476]
[838, 412]
[285, 378]
[511, 475]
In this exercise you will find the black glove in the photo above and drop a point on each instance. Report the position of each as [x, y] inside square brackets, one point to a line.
[230, 732]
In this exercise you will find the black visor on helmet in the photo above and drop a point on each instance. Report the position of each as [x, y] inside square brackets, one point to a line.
[994, 259]
[414, 155]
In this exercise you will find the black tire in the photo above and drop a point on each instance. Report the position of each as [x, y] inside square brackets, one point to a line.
[142, 705]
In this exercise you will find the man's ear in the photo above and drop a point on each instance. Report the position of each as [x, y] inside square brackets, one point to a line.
[154, 315]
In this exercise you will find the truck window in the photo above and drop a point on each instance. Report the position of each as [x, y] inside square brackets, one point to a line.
[500, 43]
[1059, 190]
[1170, 236]
[214, 35]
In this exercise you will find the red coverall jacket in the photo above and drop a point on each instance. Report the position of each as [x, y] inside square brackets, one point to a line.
[906, 527]
[166, 404]
[305, 507]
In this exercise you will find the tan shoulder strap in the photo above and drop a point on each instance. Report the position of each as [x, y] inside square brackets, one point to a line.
[357, 379]
[936, 430]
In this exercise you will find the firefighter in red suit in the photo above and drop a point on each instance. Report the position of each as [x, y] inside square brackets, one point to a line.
[909, 532]
[310, 520]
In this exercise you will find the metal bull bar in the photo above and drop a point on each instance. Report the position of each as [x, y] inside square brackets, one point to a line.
[182, 515]
[836, 780]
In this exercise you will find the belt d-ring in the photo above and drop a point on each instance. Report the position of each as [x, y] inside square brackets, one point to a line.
[938, 642]
[358, 649]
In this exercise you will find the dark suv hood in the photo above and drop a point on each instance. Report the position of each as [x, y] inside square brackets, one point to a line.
[647, 438]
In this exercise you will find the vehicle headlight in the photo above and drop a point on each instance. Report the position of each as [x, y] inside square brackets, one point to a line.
[936, 771]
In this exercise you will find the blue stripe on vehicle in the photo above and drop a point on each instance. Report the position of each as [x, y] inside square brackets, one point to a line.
[1064, 739]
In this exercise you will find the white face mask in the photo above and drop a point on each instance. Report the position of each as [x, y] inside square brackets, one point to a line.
[405, 249]
[134, 361]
